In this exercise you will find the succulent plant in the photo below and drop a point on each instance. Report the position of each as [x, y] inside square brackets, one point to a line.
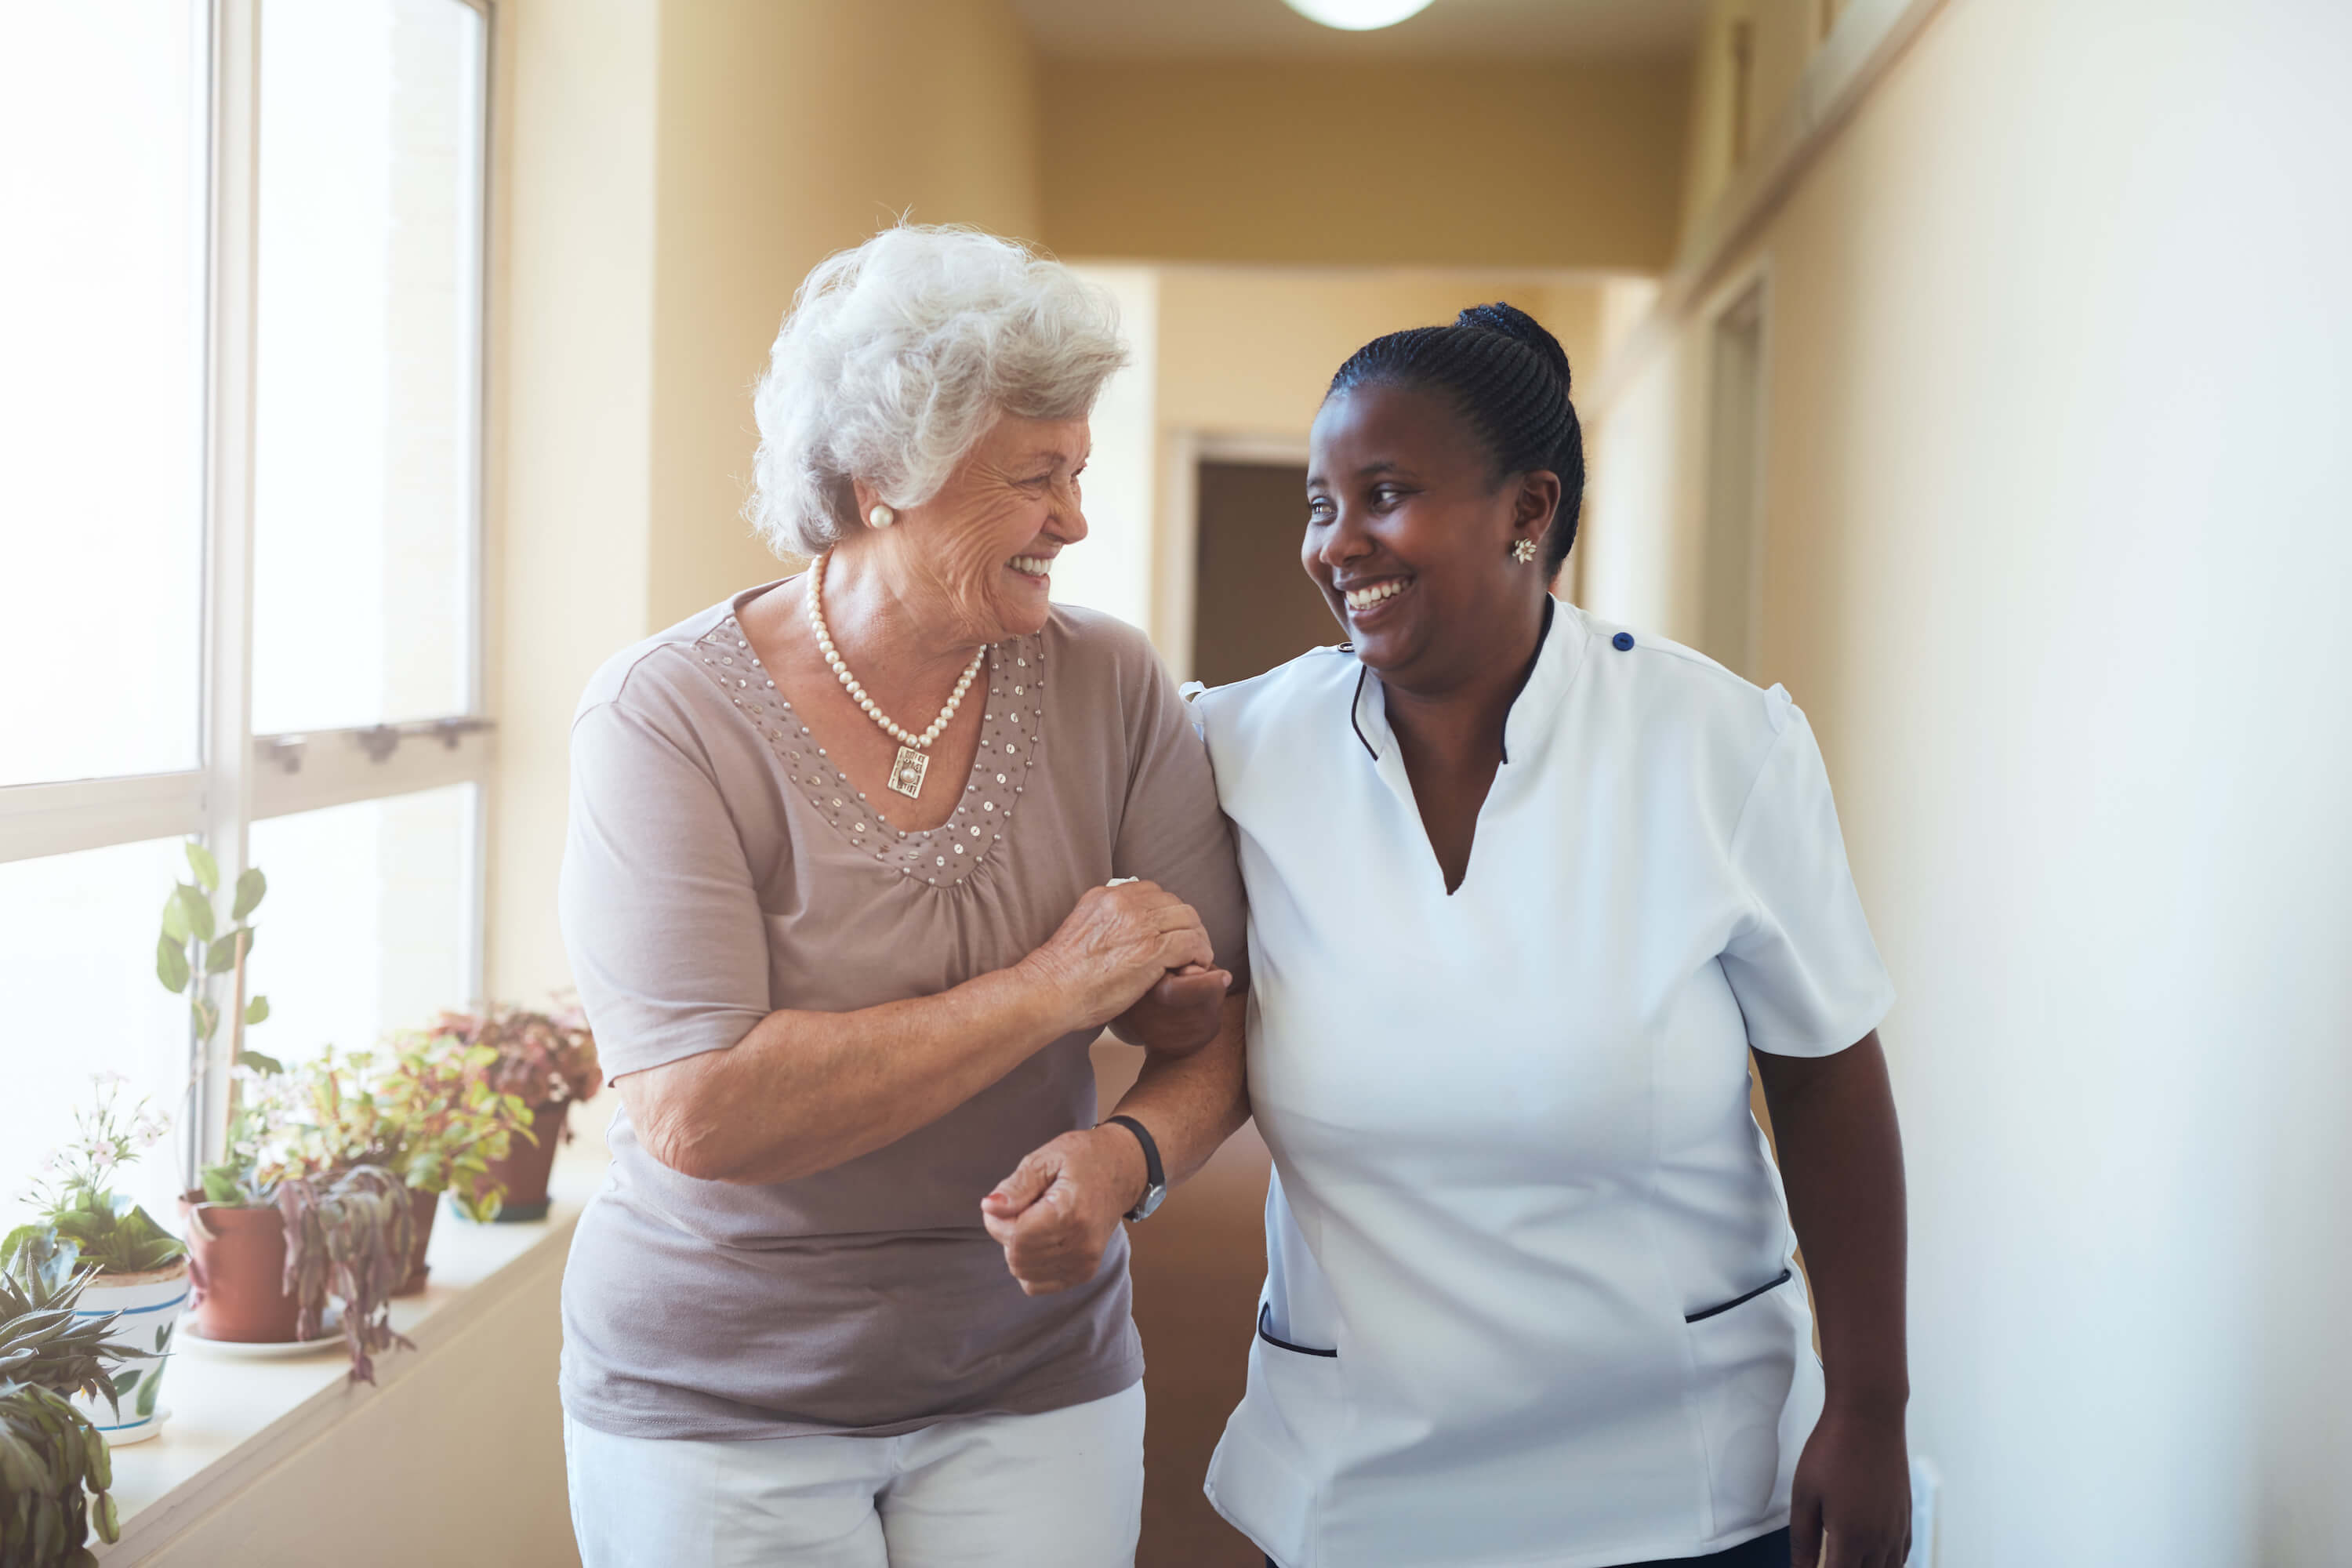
[54, 1472]
[54, 1467]
[41, 1340]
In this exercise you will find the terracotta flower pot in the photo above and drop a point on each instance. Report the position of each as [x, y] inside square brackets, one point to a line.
[524, 1172]
[422, 1206]
[148, 1307]
[236, 1263]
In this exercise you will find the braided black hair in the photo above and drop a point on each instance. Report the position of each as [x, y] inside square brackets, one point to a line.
[1509, 378]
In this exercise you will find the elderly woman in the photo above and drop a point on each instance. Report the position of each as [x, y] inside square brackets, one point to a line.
[838, 895]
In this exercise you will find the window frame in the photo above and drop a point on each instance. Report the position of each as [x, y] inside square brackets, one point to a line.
[242, 778]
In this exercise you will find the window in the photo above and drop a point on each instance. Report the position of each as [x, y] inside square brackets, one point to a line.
[242, 526]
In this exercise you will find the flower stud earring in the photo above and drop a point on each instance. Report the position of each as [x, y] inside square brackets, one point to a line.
[881, 517]
[1523, 551]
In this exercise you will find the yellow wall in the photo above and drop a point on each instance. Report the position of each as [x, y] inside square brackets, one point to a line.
[570, 467]
[788, 132]
[1552, 165]
[2055, 560]
[1248, 351]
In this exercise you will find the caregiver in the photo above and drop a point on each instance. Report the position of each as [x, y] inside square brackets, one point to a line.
[1526, 891]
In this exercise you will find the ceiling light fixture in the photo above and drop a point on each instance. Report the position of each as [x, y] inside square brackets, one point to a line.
[1358, 16]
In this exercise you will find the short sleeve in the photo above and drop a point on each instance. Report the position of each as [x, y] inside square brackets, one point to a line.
[1170, 828]
[659, 917]
[1802, 964]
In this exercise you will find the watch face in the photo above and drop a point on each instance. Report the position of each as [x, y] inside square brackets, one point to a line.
[1151, 1198]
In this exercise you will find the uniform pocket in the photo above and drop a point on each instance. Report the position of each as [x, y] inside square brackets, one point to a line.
[1265, 1331]
[1704, 1314]
[1758, 1390]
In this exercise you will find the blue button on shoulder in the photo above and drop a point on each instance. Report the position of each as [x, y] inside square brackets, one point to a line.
[1622, 641]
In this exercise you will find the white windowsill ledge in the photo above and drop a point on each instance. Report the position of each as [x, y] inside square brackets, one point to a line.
[233, 1419]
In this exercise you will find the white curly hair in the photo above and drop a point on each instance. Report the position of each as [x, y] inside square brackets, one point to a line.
[897, 358]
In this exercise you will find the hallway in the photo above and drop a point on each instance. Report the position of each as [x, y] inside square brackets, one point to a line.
[1978, 371]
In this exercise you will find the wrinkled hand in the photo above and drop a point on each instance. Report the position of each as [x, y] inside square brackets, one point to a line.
[1055, 1214]
[1115, 945]
[1180, 1014]
[1851, 1503]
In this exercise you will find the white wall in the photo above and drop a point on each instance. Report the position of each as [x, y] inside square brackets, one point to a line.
[1111, 571]
[2061, 372]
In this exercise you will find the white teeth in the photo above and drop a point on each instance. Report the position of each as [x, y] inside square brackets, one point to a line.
[1036, 566]
[1365, 598]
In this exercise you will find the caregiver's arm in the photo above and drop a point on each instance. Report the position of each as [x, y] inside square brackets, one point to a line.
[1841, 1159]
[803, 1092]
[1055, 1214]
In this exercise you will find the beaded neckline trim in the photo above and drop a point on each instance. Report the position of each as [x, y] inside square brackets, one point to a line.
[1012, 731]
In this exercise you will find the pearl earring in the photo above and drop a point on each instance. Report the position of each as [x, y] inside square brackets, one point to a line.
[881, 517]
[1523, 551]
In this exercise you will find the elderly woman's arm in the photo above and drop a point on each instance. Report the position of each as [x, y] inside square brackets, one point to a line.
[1055, 1214]
[803, 1091]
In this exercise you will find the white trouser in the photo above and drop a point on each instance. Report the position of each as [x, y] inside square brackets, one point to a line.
[1062, 1489]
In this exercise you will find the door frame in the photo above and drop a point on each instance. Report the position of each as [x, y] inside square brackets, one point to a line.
[1176, 556]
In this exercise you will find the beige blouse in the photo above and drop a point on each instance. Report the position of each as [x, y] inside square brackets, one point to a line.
[717, 868]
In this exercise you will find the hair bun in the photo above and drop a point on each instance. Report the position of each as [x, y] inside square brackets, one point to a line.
[1510, 321]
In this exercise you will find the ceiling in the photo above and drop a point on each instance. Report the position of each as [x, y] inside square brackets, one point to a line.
[1450, 29]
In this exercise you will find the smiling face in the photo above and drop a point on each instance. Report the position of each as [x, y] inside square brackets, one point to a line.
[1409, 536]
[976, 559]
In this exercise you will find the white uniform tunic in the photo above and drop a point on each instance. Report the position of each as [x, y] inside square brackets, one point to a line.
[1516, 1179]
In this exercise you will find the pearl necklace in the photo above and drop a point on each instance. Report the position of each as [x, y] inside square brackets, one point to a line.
[907, 771]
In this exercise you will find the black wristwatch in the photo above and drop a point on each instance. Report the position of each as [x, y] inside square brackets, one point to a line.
[1155, 1178]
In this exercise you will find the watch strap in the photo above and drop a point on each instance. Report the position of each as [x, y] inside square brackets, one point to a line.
[1155, 1177]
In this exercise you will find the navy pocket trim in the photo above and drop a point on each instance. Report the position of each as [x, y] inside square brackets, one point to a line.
[1266, 1310]
[1701, 1317]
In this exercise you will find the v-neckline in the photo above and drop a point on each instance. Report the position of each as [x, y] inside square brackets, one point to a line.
[1387, 762]
[1012, 736]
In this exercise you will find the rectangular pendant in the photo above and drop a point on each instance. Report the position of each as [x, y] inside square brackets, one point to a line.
[907, 773]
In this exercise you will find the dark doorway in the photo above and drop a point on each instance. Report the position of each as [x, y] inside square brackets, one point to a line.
[1254, 608]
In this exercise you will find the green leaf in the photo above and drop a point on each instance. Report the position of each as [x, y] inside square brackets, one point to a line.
[176, 918]
[124, 1382]
[207, 869]
[258, 1012]
[255, 1059]
[170, 963]
[164, 1339]
[16, 1240]
[208, 1016]
[220, 1186]
[198, 908]
[251, 885]
[221, 957]
[154, 1385]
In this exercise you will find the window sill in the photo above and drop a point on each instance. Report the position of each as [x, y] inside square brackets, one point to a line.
[233, 1420]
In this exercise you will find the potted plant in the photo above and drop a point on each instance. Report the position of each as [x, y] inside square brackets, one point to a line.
[548, 1060]
[140, 1269]
[54, 1466]
[271, 1245]
[421, 1106]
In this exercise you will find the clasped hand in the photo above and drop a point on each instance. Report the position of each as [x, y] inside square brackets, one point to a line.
[1136, 957]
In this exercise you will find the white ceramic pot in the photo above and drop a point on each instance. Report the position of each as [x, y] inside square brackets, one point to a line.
[150, 1304]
